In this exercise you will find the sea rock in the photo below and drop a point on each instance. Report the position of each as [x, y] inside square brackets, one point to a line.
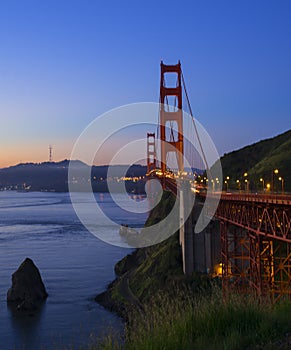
[27, 288]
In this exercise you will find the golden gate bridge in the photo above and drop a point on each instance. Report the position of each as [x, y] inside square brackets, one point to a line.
[255, 229]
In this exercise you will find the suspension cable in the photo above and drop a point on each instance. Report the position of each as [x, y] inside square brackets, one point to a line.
[194, 124]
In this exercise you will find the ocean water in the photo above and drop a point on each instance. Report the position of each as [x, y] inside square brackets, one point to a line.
[75, 267]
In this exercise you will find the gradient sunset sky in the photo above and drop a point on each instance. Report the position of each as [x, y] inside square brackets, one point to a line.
[63, 63]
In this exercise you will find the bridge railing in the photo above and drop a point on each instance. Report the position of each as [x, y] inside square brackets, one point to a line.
[284, 199]
[169, 180]
[258, 198]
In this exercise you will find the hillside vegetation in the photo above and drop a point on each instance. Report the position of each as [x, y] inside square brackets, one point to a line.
[206, 321]
[147, 270]
[166, 310]
[259, 160]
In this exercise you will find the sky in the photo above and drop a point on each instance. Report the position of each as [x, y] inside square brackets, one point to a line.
[63, 63]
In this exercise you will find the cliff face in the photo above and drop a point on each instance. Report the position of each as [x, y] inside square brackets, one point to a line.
[147, 270]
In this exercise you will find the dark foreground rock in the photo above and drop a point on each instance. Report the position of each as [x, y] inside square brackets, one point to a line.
[27, 289]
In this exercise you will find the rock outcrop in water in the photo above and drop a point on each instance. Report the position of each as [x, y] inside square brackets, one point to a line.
[27, 288]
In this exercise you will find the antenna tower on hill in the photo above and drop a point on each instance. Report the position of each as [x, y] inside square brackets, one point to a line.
[50, 153]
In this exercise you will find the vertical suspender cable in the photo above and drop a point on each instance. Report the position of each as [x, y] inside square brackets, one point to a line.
[194, 124]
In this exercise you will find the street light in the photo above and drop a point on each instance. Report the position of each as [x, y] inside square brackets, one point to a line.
[282, 182]
[246, 181]
[247, 185]
[275, 171]
[268, 187]
[238, 184]
[226, 183]
[263, 183]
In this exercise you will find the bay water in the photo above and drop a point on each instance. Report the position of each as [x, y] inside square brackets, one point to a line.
[75, 266]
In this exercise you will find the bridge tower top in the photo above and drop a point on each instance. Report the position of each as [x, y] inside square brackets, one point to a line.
[170, 115]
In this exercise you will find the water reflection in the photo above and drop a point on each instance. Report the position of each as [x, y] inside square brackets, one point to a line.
[26, 326]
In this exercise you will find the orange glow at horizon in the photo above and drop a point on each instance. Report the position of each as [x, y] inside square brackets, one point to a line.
[38, 152]
[33, 153]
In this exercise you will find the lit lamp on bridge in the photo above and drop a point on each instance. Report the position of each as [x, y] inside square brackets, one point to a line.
[268, 187]
[238, 184]
[246, 182]
[247, 185]
[276, 171]
[226, 183]
[263, 183]
[212, 185]
[282, 182]
[217, 181]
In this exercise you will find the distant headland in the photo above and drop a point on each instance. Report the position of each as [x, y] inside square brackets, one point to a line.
[53, 177]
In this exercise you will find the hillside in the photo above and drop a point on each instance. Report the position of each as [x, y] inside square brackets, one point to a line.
[150, 270]
[53, 176]
[259, 160]
[146, 270]
[164, 309]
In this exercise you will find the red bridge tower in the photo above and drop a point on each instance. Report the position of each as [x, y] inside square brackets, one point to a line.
[171, 114]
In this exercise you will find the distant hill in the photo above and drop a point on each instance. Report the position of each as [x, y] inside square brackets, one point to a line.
[53, 176]
[259, 160]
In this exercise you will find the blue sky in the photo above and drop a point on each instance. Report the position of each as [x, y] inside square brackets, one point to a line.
[62, 63]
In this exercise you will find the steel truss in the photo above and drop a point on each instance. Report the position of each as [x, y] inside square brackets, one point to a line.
[255, 264]
[269, 220]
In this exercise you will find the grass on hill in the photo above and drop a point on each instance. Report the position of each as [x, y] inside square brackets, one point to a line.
[259, 160]
[190, 313]
[206, 322]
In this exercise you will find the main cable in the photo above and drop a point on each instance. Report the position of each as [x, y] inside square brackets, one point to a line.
[194, 124]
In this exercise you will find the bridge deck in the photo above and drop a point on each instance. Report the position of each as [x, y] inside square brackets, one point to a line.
[258, 198]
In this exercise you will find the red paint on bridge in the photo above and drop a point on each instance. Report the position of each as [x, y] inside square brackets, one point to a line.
[255, 228]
